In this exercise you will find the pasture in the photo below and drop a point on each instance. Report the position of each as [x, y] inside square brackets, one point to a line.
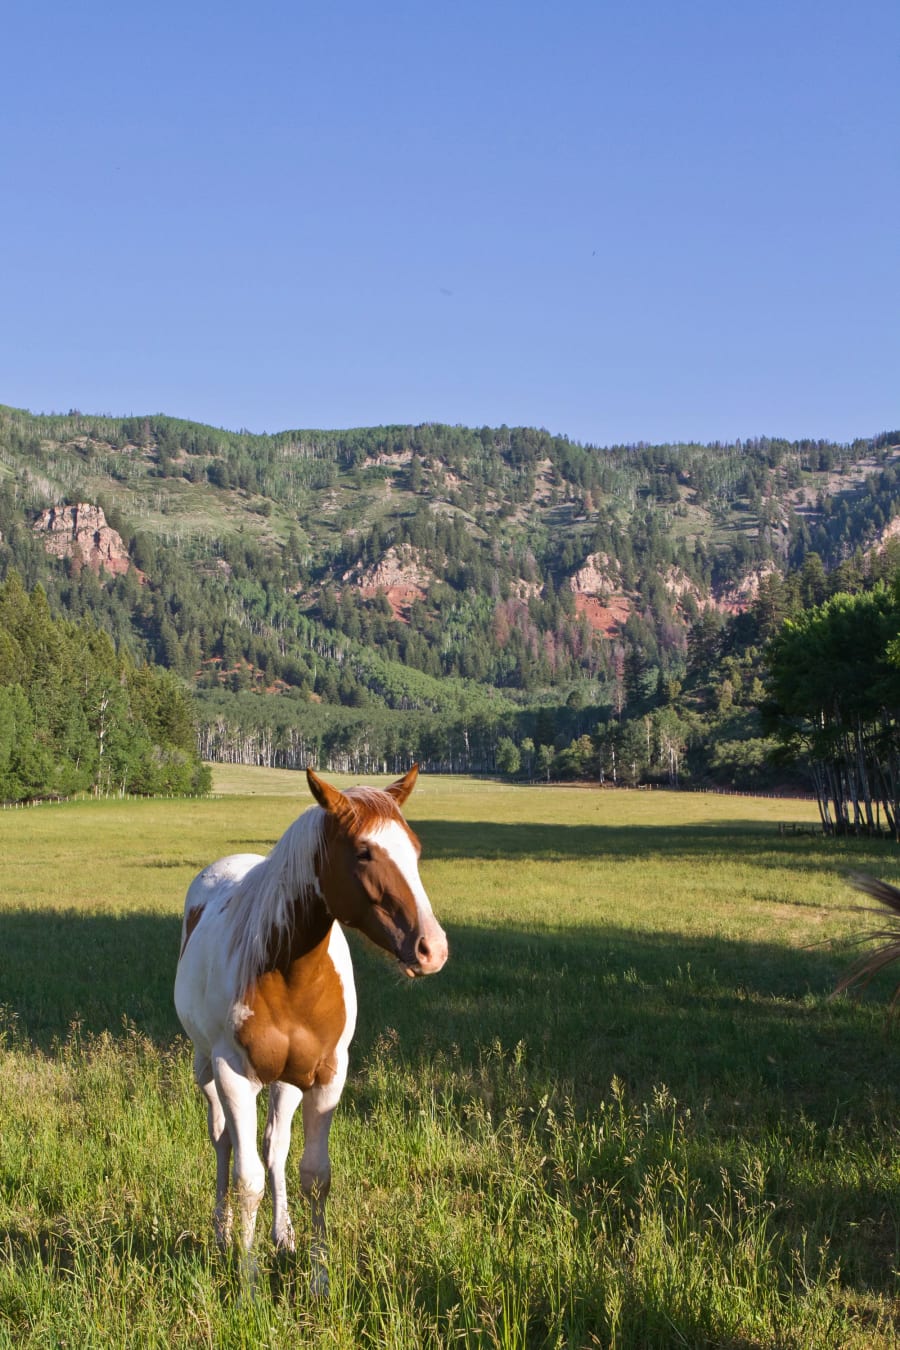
[625, 1114]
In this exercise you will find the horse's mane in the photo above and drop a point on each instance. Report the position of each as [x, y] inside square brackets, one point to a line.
[263, 906]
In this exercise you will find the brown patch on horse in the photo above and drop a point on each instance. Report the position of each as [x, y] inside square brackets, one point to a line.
[369, 893]
[191, 919]
[297, 1015]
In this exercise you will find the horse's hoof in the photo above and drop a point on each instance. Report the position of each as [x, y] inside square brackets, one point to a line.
[285, 1241]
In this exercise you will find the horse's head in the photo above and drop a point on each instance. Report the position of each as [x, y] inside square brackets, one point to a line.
[370, 872]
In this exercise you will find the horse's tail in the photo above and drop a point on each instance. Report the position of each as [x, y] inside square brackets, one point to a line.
[887, 936]
[879, 890]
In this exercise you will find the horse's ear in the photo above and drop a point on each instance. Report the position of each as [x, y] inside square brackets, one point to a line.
[330, 798]
[403, 786]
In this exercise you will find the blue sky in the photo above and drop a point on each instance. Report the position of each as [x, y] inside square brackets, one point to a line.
[620, 221]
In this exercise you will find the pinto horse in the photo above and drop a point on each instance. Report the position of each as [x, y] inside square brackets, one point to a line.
[265, 988]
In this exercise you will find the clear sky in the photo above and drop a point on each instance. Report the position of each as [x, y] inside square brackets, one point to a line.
[637, 220]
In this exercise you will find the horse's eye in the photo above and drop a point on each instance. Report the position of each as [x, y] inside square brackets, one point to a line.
[364, 853]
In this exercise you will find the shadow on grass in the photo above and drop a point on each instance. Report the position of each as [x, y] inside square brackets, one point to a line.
[63, 969]
[746, 1026]
[450, 839]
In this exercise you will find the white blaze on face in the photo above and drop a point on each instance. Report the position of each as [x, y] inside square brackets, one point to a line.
[395, 841]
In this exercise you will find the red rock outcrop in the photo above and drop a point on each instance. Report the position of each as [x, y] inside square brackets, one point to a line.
[80, 532]
[599, 596]
[399, 575]
[739, 597]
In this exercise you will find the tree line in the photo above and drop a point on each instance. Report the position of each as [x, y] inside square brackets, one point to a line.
[78, 716]
[494, 669]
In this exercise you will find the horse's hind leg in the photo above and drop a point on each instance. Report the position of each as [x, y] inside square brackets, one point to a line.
[283, 1102]
[221, 1142]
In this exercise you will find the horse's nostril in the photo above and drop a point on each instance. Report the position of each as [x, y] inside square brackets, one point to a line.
[423, 951]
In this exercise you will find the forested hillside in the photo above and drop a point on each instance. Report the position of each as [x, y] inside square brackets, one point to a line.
[481, 599]
[75, 716]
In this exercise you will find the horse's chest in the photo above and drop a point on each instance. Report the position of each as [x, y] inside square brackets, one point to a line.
[295, 1021]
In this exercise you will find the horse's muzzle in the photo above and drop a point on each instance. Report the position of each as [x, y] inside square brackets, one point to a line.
[429, 955]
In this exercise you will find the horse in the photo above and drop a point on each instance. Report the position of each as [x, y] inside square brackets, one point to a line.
[265, 991]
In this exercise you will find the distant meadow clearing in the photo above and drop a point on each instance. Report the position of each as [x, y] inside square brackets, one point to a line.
[625, 1114]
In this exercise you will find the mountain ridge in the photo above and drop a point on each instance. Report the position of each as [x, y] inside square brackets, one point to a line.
[409, 567]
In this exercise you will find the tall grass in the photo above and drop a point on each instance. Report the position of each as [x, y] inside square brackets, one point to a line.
[625, 1114]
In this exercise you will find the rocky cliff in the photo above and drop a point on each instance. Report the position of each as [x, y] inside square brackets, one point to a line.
[80, 532]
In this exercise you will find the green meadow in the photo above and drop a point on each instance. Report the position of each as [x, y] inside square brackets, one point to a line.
[626, 1114]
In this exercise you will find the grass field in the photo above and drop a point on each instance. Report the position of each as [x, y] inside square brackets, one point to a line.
[625, 1114]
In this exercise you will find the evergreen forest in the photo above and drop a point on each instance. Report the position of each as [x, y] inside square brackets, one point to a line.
[77, 716]
[489, 600]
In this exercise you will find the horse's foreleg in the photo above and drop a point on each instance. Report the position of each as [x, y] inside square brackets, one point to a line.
[283, 1102]
[315, 1176]
[238, 1097]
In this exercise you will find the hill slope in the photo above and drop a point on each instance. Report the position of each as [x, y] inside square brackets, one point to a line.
[431, 568]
